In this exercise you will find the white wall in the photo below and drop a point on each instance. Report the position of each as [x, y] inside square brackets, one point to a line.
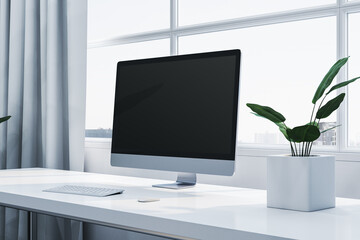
[250, 173]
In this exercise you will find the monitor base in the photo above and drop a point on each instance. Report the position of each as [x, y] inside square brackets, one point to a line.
[184, 180]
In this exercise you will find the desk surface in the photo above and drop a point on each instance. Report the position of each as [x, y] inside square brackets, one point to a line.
[203, 212]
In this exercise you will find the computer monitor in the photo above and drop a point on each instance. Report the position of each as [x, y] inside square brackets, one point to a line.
[177, 113]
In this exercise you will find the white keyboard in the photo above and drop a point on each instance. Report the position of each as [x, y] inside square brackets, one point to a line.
[85, 190]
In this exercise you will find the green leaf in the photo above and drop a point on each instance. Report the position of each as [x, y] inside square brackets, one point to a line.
[342, 84]
[330, 128]
[325, 83]
[314, 123]
[3, 119]
[330, 107]
[305, 133]
[267, 112]
[283, 129]
[258, 115]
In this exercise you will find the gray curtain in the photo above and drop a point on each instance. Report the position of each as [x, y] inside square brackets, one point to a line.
[42, 86]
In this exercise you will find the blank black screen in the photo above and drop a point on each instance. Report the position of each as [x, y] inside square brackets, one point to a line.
[181, 106]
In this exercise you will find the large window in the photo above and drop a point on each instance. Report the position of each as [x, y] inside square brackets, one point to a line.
[101, 72]
[205, 11]
[267, 77]
[112, 18]
[354, 71]
[287, 47]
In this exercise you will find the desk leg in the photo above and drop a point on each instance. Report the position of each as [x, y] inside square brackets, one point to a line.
[32, 226]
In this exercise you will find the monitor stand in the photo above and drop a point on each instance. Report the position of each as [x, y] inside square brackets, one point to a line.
[184, 180]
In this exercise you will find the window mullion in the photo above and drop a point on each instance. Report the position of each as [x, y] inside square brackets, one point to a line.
[174, 15]
[340, 3]
[259, 20]
[342, 51]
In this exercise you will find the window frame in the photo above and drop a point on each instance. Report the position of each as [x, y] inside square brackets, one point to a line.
[340, 10]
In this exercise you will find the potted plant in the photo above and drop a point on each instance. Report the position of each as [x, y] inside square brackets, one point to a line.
[301, 181]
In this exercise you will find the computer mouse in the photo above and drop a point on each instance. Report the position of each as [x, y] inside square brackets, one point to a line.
[146, 200]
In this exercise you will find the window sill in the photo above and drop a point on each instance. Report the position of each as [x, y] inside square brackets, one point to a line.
[350, 155]
[104, 143]
[252, 150]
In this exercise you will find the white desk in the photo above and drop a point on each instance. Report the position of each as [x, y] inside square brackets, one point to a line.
[203, 212]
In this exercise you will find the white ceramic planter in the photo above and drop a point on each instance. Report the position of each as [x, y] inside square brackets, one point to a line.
[301, 183]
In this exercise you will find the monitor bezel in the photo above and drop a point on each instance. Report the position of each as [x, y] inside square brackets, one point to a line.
[169, 162]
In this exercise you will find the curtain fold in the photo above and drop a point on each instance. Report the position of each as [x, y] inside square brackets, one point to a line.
[42, 86]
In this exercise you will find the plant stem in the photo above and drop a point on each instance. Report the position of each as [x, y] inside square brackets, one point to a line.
[295, 151]
[307, 149]
[322, 101]
[302, 150]
[310, 147]
[292, 149]
[312, 113]
[308, 144]
[320, 106]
